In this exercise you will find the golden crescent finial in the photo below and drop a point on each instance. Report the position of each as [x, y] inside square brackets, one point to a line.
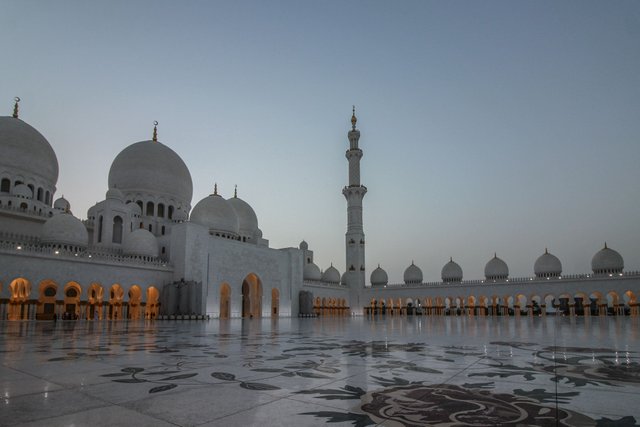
[354, 120]
[15, 107]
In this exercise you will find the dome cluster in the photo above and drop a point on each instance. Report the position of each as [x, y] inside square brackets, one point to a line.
[605, 262]
[230, 218]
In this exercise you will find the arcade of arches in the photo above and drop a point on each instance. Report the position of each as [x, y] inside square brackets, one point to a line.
[251, 293]
[71, 301]
[575, 304]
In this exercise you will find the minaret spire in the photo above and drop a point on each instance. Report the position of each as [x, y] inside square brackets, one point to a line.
[15, 107]
[354, 239]
[155, 131]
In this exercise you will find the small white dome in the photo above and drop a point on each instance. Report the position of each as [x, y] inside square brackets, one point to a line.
[304, 246]
[379, 277]
[412, 274]
[247, 219]
[140, 242]
[496, 269]
[311, 272]
[451, 272]
[547, 265]
[22, 191]
[215, 213]
[343, 279]
[115, 194]
[65, 229]
[135, 209]
[607, 261]
[62, 204]
[331, 275]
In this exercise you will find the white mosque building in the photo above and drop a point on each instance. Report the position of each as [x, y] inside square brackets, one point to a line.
[145, 252]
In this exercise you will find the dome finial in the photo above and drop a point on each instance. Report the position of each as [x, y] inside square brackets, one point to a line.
[354, 119]
[546, 251]
[215, 189]
[605, 245]
[495, 255]
[155, 131]
[235, 192]
[450, 259]
[15, 107]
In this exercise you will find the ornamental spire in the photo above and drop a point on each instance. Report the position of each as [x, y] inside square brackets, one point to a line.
[155, 131]
[15, 107]
[235, 192]
[215, 189]
[354, 119]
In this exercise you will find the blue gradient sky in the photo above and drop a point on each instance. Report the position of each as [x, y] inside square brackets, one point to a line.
[486, 126]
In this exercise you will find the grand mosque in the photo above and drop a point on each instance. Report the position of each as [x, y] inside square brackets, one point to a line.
[144, 252]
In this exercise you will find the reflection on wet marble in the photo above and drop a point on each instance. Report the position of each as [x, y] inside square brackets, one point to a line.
[394, 371]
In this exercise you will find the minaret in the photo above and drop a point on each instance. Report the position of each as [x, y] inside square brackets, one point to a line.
[354, 239]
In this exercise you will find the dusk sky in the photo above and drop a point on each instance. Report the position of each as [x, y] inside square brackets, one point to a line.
[486, 126]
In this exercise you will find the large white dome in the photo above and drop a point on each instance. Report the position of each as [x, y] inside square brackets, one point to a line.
[451, 272]
[379, 277]
[247, 219]
[65, 229]
[150, 167]
[496, 269]
[547, 265]
[26, 152]
[607, 261]
[412, 274]
[140, 242]
[217, 214]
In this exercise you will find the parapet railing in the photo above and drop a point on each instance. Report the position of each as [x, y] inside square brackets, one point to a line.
[31, 246]
[518, 280]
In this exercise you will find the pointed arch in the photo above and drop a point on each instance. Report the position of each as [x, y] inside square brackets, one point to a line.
[134, 306]
[47, 292]
[275, 302]
[225, 301]
[252, 296]
[19, 289]
[72, 292]
[152, 307]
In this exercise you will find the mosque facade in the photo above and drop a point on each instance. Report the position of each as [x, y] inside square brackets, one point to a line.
[145, 253]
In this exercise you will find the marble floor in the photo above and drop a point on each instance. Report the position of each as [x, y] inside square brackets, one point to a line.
[393, 371]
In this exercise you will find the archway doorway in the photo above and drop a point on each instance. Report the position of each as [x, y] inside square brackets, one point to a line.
[275, 302]
[135, 302]
[251, 296]
[47, 300]
[152, 308]
[72, 291]
[94, 301]
[116, 295]
[225, 301]
[20, 290]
